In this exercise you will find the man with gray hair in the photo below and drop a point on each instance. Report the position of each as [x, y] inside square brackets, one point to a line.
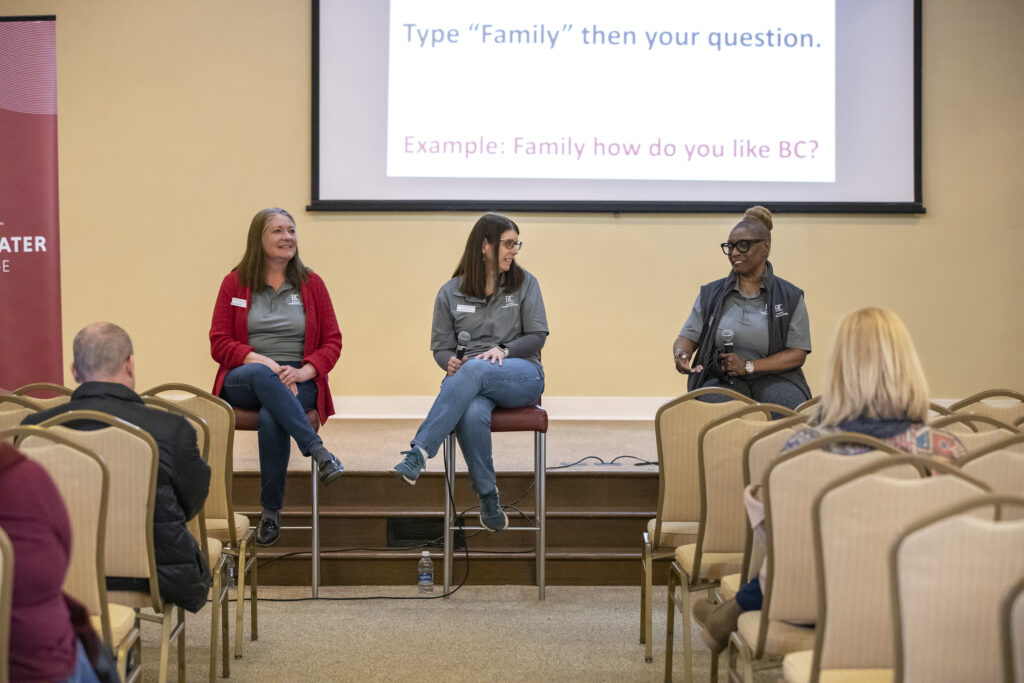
[104, 367]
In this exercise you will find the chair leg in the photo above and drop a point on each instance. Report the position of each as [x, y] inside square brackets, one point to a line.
[540, 505]
[449, 513]
[240, 600]
[225, 637]
[685, 613]
[670, 619]
[646, 592]
[181, 643]
[215, 624]
[316, 529]
[254, 583]
[166, 625]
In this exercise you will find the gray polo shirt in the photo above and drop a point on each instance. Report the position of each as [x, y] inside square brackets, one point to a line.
[497, 319]
[277, 323]
[747, 317]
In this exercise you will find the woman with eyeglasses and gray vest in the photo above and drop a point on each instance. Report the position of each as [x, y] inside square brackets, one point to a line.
[488, 329]
[750, 329]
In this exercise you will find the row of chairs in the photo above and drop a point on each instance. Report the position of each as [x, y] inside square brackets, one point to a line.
[131, 459]
[718, 448]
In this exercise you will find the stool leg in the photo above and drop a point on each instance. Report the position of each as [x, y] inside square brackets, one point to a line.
[449, 513]
[540, 504]
[316, 529]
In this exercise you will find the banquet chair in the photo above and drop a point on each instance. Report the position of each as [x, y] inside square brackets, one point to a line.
[232, 529]
[83, 481]
[1011, 625]
[974, 430]
[789, 485]
[1001, 466]
[721, 525]
[523, 419]
[62, 394]
[1007, 406]
[133, 460]
[677, 425]
[810, 406]
[6, 589]
[856, 519]
[954, 567]
[14, 409]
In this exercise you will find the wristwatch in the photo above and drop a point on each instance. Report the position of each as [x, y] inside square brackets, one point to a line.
[749, 367]
[504, 349]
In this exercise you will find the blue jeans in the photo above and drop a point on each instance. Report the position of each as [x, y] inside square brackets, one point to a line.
[282, 415]
[83, 672]
[749, 597]
[764, 389]
[465, 404]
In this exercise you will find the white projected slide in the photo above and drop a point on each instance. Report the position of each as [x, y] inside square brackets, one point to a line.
[743, 90]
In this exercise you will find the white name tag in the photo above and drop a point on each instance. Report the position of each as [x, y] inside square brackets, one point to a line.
[235, 301]
[463, 308]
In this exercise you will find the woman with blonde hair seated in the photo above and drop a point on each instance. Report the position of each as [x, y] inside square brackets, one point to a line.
[875, 386]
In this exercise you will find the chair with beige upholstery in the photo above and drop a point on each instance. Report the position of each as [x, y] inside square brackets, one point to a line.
[1011, 626]
[133, 460]
[13, 409]
[6, 588]
[975, 431]
[931, 563]
[1001, 466]
[676, 427]
[721, 528]
[212, 549]
[60, 394]
[1003, 404]
[856, 519]
[82, 478]
[810, 406]
[789, 485]
[222, 522]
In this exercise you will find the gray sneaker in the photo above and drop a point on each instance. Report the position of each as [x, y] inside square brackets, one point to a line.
[411, 466]
[492, 517]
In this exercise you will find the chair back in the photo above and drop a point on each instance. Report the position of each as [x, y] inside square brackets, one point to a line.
[810, 406]
[788, 489]
[1011, 623]
[975, 431]
[1001, 466]
[6, 589]
[949, 572]
[1005, 405]
[722, 526]
[220, 423]
[82, 478]
[132, 459]
[14, 409]
[61, 394]
[677, 425]
[856, 519]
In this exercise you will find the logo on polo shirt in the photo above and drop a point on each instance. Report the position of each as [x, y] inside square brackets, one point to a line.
[510, 301]
[294, 299]
[779, 312]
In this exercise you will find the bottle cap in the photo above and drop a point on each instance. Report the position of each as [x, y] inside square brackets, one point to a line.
[425, 553]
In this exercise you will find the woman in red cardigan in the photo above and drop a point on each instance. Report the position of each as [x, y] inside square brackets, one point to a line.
[275, 336]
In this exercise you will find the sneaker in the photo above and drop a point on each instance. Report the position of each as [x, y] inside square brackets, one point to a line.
[411, 466]
[268, 531]
[492, 517]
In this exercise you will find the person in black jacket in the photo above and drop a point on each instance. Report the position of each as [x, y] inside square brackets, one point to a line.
[750, 330]
[104, 366]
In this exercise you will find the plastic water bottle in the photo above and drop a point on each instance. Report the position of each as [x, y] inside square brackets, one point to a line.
[426, 574]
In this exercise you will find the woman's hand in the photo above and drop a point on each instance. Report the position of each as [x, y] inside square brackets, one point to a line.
[292, 377]
[733, 364]
[494, 354]
[253, 357]
[683, 366]
[454, 363]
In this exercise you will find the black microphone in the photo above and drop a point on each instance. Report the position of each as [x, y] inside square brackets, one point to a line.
[460, 350]
[727, 341]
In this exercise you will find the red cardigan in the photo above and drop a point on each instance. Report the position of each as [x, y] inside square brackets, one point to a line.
[229, 334]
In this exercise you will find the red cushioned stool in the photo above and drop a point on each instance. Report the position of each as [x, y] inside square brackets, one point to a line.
[248, 420]
[526, 419]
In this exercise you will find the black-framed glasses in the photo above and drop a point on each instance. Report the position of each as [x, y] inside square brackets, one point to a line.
[742, 246]
[511, 244]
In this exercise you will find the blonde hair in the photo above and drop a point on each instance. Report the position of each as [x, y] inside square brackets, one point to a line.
[759, 213]
[874, 371]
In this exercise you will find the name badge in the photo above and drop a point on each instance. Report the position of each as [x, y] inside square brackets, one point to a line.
[463, 308]
[235, 301]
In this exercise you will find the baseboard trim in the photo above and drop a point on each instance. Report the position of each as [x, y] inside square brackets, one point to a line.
[558, 407]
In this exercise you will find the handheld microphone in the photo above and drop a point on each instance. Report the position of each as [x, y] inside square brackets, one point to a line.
[460, 350]
[727, 337]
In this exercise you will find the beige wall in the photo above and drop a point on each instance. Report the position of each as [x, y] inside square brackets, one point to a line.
[178, 120]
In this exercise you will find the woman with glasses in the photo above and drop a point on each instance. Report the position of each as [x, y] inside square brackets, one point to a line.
[749, 329]
[488, 329]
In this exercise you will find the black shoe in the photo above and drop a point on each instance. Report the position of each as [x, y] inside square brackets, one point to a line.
[268, 532]
[330, 470]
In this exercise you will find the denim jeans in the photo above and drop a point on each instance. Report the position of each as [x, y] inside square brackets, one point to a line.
[282, 415]
[764, 389]
[465, 404]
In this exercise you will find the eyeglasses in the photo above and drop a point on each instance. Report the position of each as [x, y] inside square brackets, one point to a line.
[742, 246]
[511, 244]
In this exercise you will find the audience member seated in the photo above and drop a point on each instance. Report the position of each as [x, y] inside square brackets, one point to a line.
[275, 336]
[43, 644]
[104, 366]
[874, 386]
[768, 318]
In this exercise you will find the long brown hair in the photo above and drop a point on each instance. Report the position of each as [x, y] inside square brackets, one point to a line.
[473, 269]
[252, 270]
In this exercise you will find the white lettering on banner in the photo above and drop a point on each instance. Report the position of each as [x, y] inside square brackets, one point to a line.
[5, 266]
[17, 244]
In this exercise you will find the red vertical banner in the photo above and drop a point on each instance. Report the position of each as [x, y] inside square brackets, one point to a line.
[30, 321]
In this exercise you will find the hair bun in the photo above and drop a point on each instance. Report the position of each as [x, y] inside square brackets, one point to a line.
[761, 214]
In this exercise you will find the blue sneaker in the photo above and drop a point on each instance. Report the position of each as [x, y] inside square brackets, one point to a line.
[492, 517]
[411, 465]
